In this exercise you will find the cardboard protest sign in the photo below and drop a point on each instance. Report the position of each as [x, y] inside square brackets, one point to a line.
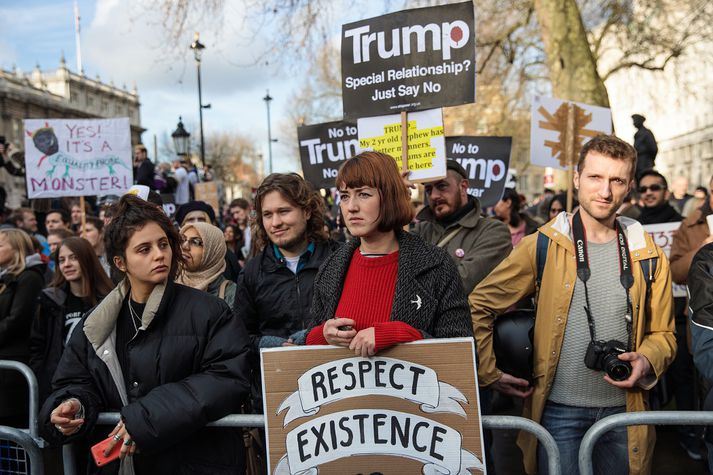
[486, 160]
[73, 157]
[410, 60]
[413, 408]
[549, 129]
[662, 234]
[426, 141]
[207, 191]
[323, 148]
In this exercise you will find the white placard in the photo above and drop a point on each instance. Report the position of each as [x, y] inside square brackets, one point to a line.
[662, 234]
[77, 157]
[546, 142]
[427, 142]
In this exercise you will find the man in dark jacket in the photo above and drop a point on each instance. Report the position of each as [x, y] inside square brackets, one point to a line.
[275, 287]
[645, 145]
[143, 167]
[452, 220]
[653, 189]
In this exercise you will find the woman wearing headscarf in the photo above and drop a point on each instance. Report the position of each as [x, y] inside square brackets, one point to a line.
[204, 248]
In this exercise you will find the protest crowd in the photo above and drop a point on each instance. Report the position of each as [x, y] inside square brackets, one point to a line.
[128, 290]
[178, 308]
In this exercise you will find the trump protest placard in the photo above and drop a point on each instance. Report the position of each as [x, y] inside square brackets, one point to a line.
[486, 160]
[558, 130]
[323, 148]
[409, 60]
[77, 157]
[662, 234]
[426, 141]
[413, 408]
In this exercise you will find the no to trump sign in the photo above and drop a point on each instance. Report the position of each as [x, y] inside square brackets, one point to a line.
[410, 409]
[411, 60]
[323, 149]
[68, 157]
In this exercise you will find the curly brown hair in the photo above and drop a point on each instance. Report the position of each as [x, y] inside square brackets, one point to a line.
[297, 192]
[610, 146]
[131, 214]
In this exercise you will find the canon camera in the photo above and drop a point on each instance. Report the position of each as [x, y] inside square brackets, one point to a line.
[604, 356]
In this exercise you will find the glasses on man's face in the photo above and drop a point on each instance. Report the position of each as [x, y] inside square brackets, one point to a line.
[655, 187]
[192, 242]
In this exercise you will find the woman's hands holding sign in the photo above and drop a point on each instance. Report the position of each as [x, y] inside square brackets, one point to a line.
[340, 332]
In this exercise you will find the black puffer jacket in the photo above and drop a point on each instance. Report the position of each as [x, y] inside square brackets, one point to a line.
[428, 295]
[18, 303]
[274, 301]
[188, 367]
[46, 344]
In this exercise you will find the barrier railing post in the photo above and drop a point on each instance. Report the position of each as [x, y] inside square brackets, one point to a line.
[601, 427]
[545, 438]
[33, 389]
[28, 444]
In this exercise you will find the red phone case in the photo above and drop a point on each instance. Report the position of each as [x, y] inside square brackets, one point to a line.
[98, 452]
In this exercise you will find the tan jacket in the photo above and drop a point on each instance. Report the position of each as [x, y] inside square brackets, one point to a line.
[687, 241]
[514, 279]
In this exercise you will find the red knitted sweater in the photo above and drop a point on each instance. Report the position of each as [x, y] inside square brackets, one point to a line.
[367, 297]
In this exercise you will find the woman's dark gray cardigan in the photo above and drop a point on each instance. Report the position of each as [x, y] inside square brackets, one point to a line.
[429, 295]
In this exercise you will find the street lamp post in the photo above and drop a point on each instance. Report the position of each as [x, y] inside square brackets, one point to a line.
[198, 48]
[181, 139]
[267, 100]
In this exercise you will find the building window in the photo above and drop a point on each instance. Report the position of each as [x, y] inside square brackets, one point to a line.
[90, 100]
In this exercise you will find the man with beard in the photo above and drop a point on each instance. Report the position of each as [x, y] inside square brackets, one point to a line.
[274, 292]
[452, 220]
[653, 190]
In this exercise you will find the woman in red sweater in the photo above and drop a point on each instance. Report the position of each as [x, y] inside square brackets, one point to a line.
[386, 286]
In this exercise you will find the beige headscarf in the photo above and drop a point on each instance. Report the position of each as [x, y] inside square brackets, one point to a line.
[213, 262]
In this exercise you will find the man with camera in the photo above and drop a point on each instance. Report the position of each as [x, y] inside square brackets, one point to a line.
[604, 328]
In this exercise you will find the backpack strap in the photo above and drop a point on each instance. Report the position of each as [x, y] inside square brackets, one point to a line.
[449, 236]
[221, 290]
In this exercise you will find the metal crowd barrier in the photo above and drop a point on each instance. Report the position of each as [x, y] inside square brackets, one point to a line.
[24, 445]
[668, 418]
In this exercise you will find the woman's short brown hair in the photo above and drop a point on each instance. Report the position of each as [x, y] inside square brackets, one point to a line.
[378, 170]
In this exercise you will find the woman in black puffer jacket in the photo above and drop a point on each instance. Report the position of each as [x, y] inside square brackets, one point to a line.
[169, 358]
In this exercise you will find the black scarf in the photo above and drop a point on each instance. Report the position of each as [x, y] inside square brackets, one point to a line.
[664, 213]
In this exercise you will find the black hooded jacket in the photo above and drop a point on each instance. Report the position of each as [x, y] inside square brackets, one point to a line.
[188, 366]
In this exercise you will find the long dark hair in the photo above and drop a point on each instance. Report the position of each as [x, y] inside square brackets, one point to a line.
[95, 283]
[131, 214]
[514, 198]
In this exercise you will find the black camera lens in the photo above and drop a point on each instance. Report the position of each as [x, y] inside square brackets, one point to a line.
[615, 368]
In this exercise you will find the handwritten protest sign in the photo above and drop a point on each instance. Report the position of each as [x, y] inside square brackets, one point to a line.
[323, 149]
[72, 157]
[426, 141]
[486, 160]
[410, 409]
[662, 234]
[410, 60]
[551, 124]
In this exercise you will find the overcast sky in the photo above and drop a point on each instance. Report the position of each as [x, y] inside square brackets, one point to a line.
[121, 42]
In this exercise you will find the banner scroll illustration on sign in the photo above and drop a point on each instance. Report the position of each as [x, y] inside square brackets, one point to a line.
[323, 149]
[77, 157]
[408, 410]
[410, 60]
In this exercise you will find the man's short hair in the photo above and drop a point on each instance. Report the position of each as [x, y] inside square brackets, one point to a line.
[19, 215]
[610, 146]
[240, 203]
[652, 172]
[140, 148]
[64, 215]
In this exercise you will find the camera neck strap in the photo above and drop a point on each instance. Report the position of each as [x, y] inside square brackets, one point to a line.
[626, 277]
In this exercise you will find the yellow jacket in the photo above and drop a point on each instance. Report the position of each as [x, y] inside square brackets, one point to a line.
[514, 279]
